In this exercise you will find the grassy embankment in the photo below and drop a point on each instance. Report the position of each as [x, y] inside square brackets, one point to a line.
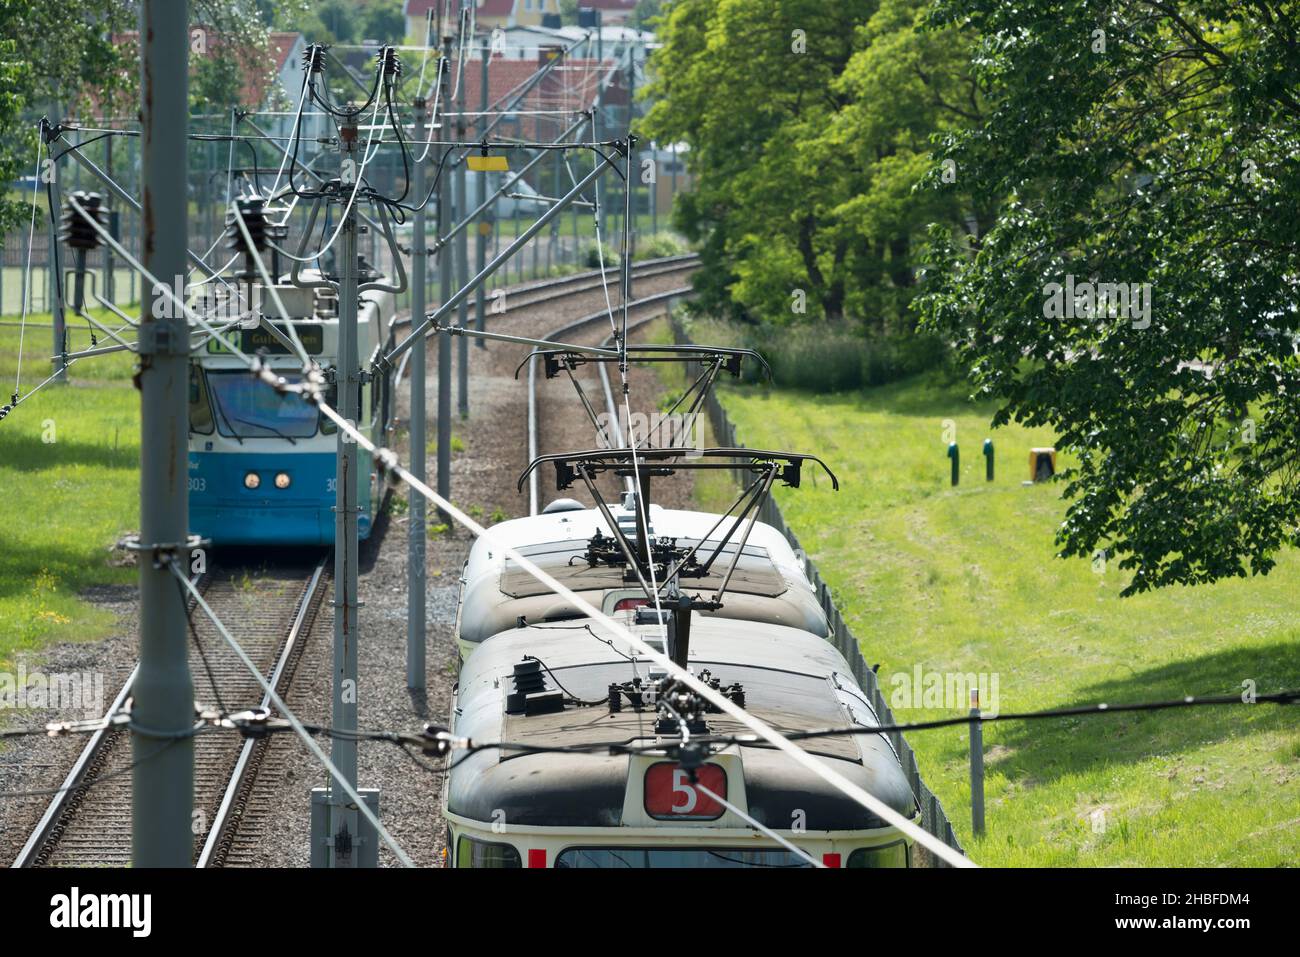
[69, 458]
[964, 580]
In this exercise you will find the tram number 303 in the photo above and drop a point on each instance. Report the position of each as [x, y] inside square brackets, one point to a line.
[670, 794]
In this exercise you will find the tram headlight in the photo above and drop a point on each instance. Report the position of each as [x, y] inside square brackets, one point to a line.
[281, 479]
[252, 480]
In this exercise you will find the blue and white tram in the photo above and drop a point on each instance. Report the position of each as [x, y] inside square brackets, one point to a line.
[262, 463]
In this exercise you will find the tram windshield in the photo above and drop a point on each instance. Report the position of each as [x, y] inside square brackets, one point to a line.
[247, 408]
[694, 857]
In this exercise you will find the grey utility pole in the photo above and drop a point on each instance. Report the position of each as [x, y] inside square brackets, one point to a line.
[445, 292]
[59, 363]
[110, 279]
[162, 778]
[418, 534]
[633, 160]
[462, 257]
[347, 377]
[485, 218]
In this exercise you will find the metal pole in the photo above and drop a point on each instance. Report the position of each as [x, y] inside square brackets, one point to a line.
[462, 260]
[116, 189]
[110, 280]
[59, 362]
[672, 198]
[627, 251]
[343, 750]
[484, 220]
[633, 164]
[162, 778]
[444, 296]
[976, 766]
[415, 562]
[422, 328]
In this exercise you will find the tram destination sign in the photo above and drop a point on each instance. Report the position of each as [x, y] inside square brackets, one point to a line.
[251, 340]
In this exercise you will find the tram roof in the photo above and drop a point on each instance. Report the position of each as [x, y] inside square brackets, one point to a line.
[793, 680]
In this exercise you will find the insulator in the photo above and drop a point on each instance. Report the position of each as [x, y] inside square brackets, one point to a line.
[76, 231]
[253, 210]
[313, 58]
[389, 63]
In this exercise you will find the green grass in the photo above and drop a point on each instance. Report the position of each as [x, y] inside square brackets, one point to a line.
[66, 500]
[965, 580]
[11, 288]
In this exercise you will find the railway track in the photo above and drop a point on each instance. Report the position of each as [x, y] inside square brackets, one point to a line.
[271, 611]
[88, 823]
[646, 311]
[552, 289]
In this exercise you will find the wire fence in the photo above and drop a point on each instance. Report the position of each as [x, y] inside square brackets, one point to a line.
[933, 817]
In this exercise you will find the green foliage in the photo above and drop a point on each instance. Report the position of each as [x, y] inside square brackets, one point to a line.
[53, 53]
[1155, 146]
[69, 459]
[826, 358]
[659, 246]
[646, 13]
[804, 203]
[347, 21]
[956, 580]
[68, 58]
[593, 255]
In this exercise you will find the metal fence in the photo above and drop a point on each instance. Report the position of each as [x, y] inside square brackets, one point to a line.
[933, 817]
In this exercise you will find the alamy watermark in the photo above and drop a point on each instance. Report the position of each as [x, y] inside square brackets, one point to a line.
[75, 691]
[1100, 300]
[944, 690]
[658, 430]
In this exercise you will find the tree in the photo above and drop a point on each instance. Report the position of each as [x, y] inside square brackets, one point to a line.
[748, 85]
[810, 126]
[1137, 288]
[53, 53]
[67, 58]
[645, 13]
[383, 20]
[327, 21]
[903, 85]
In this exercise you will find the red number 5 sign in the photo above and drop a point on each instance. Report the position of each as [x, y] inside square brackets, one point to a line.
[670, 795]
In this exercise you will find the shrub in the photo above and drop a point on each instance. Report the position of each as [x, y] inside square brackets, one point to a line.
[823, 357]
[592, 255]
[661, 245]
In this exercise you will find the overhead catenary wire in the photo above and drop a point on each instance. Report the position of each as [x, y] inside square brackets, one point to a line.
[390, 464]
[359, 173]
[759, 826]
[336, 776]
[249, 723]
[1286, 697]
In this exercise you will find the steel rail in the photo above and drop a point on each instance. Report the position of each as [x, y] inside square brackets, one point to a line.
[63, 797]
[569, 329]
[217, 832]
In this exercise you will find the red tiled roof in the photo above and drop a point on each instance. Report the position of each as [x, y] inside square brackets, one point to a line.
[256, 85]
[570, 86]
[280, 44]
